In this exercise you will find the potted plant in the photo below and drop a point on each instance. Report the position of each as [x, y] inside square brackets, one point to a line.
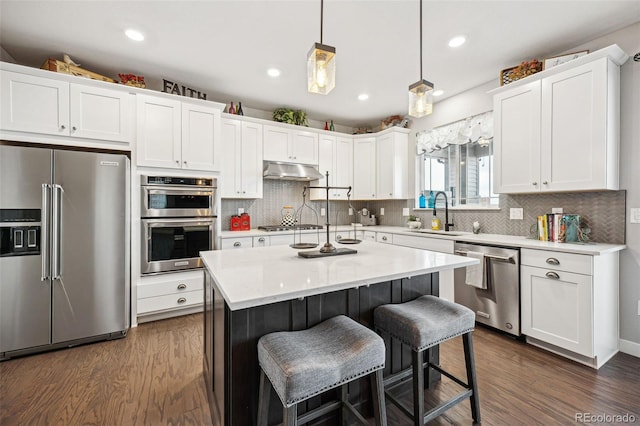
[290, 116]
[414, 222]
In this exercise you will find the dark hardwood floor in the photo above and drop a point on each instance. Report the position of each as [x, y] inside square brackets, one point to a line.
[154, 377]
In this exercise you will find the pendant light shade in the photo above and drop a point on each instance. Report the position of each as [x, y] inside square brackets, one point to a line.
[321, 64]
[421, 92]
[321, 69]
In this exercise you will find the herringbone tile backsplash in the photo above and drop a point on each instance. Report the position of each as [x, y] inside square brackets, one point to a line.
[603, 212]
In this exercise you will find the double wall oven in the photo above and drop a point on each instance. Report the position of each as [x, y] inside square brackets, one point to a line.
[178, 222]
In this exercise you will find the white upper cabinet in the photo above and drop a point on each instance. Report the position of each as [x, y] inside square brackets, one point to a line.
[241, 171]
[364, 168]
[290, 145]
[39, 105]
[560, 131]
[392, 150]
[173, 134]
[335, 155]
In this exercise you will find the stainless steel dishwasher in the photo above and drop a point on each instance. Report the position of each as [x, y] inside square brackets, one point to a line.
[498, 305]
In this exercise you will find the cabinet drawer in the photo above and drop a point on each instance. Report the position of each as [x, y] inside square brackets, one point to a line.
[569, 262]
[369, 235]
[170, 301]
[383, 237]
[425, 243]
[236, 243]
[172, 286]
[261, 241]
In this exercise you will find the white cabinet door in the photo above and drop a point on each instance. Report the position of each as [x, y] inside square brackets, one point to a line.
[574, 129]
[230, 183]
[364, 168]
[251, 160]
[276, 144]
[304, 147]
[557, 308]
[236, 243]
[326, 158]
[516, 139]
[343, 166]
[33, 104]
[385, 166]
[200, 125]
[98, 113]
[159, 132]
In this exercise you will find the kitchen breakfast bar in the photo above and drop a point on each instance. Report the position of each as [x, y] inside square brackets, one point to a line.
[252, 292]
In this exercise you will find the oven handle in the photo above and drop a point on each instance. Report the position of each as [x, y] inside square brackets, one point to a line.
[159, 223]
[490, 256]
[185, 191]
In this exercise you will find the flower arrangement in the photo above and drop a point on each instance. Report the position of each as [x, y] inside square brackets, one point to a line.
[132, 80]
[525, 69]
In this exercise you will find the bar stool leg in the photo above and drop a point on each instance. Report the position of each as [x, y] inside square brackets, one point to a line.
[264, 397]
[418, 387]
[290, 417]
[428, 370]
[467, 340]
[377, 393]
[344, 397]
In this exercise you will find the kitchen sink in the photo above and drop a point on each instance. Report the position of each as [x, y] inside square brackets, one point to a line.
[431, 231]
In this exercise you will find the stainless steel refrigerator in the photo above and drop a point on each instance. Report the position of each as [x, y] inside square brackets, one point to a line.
[65, 257]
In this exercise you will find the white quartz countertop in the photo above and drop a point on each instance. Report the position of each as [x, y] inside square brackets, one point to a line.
[593, 249]
[258, 276]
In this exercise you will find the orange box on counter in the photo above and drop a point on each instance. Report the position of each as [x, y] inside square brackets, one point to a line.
[241, 222]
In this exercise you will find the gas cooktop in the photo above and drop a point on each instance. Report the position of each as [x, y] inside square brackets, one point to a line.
[300, 227]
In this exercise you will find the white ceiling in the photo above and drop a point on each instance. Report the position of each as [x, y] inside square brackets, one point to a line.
[224, 47]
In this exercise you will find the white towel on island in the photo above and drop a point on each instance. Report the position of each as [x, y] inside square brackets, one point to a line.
[476, 276]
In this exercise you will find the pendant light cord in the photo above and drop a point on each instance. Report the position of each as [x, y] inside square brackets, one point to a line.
[420, 38]
[322, 16]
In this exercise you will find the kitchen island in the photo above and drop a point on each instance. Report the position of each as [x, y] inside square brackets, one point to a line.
[252, 292]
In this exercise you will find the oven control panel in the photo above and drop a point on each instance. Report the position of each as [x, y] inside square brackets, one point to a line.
[173, 180]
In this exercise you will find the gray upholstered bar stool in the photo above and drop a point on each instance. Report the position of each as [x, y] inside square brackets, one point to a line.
[422, 324]
[306, 363]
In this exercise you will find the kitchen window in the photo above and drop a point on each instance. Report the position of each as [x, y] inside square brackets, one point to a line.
[458, 159]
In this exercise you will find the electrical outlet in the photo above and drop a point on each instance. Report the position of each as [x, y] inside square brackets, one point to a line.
[405, 211]
[381, 211]
[516, 213]
[634, 215]
[323, 211]
[240, 211]
[557, 210]
[350, 211]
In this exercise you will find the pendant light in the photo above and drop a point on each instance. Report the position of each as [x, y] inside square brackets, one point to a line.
[321, 64]
[421, 92]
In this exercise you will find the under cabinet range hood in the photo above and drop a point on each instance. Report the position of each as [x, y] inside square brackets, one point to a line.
[290, 171]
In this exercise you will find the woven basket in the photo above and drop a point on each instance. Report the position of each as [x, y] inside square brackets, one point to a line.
[506, 77]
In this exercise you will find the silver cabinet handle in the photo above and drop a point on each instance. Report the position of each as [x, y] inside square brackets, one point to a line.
[182, 286]
[177, 161]
[535, 183]
[338, 237]
[261, 239]
[74, 128]
[182, 300]
[552, 275]
[553, 261]
[244, 192]
[44, 236]
[62, 127]
[237, 244]
[545, 183]
[384, 238]
[185, 162]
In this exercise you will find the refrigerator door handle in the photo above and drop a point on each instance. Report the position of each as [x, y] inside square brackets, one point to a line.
[56, 264]
[44, 235]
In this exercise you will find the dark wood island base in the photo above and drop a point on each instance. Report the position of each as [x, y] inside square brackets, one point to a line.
[231, 369]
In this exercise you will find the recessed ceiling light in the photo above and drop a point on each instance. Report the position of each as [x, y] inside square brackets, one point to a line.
[134, 35]
[457, 41]
[363, 97]
[438, 92]
[273, 72]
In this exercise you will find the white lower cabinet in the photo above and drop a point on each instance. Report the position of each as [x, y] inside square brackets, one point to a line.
[446, 290]
[169, 294]
[569, 303]
[384, 237]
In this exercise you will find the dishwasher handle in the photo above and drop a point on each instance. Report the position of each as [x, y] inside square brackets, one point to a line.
[508, 259]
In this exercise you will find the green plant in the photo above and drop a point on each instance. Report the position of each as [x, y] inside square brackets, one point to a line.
[290, 116]
[412, 218]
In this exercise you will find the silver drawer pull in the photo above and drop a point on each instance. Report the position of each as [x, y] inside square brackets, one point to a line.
[489, 256]
[182, 300]
[182, 286]
[237, 244]
[553, 261]
[261, 239]
[552, 275]
[384, 238]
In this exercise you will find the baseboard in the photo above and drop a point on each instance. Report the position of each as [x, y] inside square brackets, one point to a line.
[630, 348]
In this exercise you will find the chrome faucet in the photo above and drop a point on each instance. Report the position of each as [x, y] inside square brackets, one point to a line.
[447, 225]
